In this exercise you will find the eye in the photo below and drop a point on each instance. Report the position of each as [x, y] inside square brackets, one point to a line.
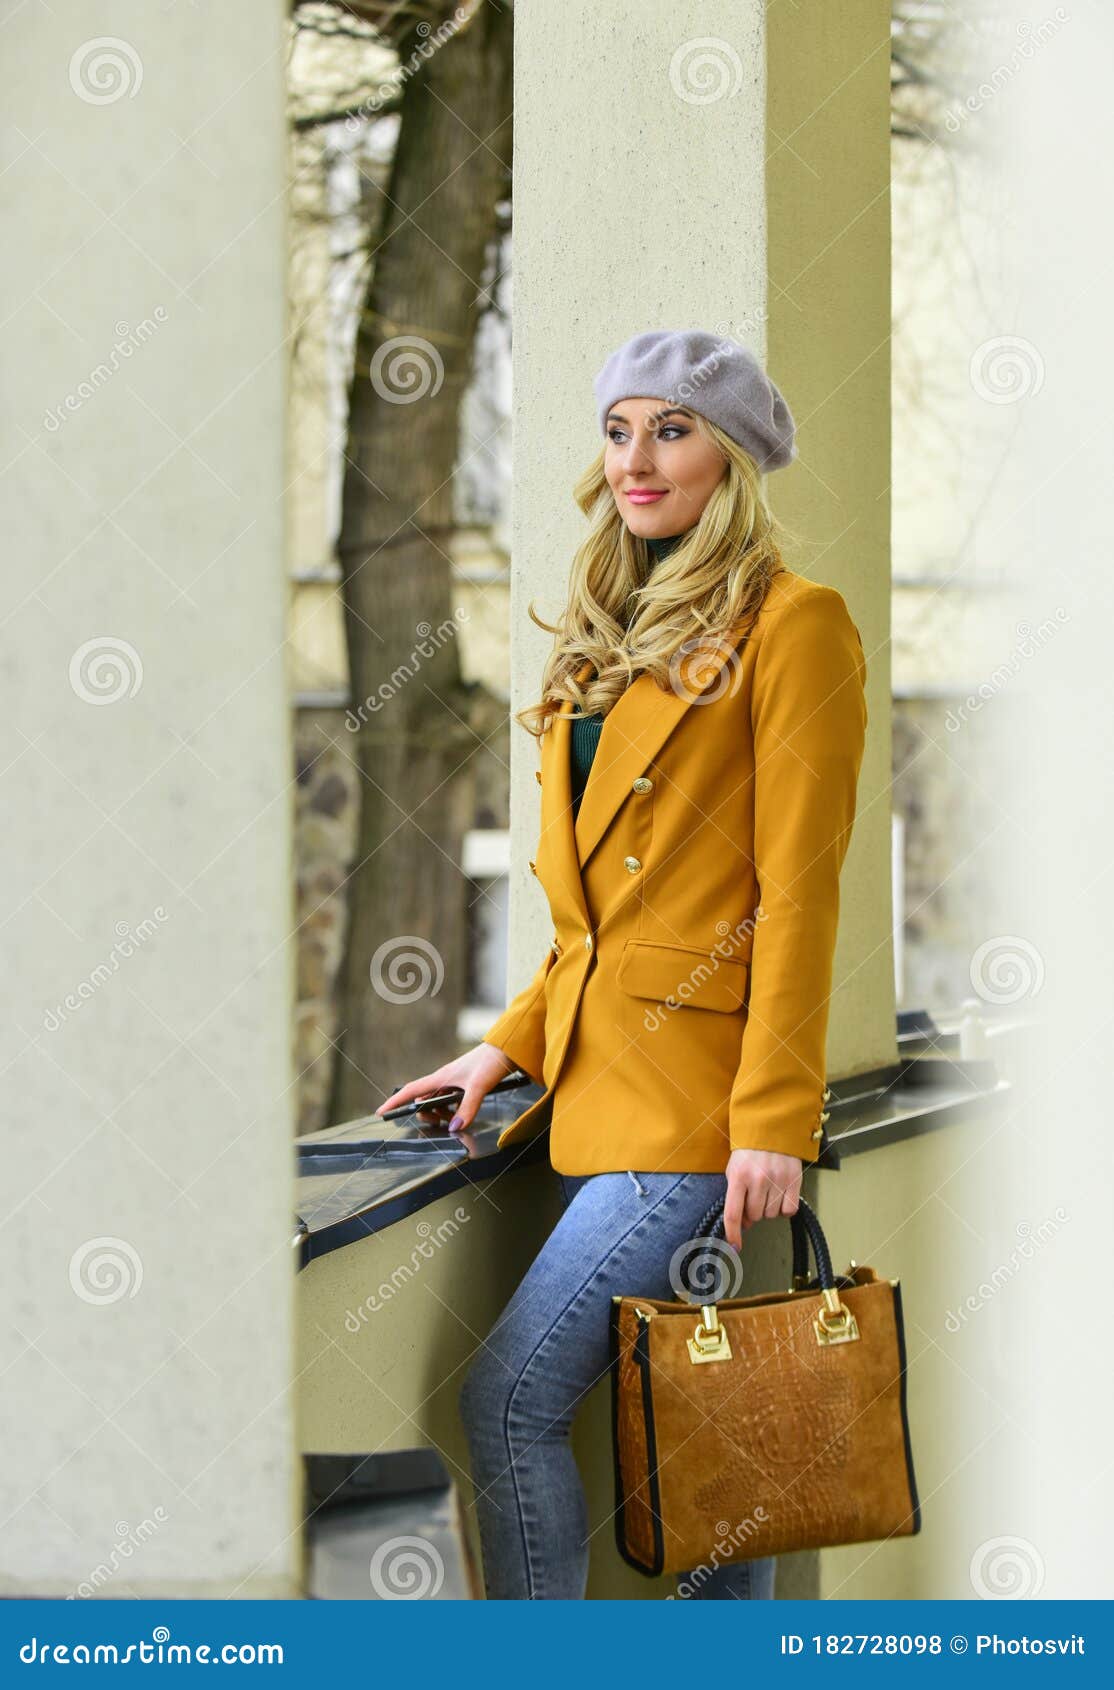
[666, 432]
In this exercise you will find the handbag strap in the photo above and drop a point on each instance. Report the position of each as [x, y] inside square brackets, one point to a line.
[807, 1232]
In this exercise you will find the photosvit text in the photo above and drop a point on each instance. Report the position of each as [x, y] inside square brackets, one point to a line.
[928, 1643]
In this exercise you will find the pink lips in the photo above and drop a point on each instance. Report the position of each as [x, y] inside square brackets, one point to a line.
[644, 496]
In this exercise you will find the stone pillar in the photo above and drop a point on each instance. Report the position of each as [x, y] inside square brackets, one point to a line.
[722, 166]
[146, 1033]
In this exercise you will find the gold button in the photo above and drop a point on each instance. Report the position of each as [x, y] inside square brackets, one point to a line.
[631, 864]
[538, 776]
[587, 941]
[824, 1113]
[827, 1093]
[533, 868]
[556, 945]
[819, 1133]
[642, 784]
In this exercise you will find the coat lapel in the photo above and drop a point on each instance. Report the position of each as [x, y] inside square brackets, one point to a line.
[634, 731]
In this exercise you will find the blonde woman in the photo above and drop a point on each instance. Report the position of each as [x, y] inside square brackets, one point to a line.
[701, 724]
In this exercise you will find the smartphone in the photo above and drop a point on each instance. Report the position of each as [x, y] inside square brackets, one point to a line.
[445, 1099]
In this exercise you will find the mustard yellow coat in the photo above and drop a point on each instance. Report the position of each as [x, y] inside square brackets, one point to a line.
[682, 1010]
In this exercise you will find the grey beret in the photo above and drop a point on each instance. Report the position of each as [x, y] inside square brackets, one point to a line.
[707, 373]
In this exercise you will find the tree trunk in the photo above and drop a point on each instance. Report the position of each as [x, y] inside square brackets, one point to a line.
[403, 977]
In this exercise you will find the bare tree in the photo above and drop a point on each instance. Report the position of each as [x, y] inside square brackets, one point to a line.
[930, 43]
[432, 274]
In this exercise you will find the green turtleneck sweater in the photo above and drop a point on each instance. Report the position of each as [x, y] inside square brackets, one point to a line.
[586, 730]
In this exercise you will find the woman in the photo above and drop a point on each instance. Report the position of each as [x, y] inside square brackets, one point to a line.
[678, 1021]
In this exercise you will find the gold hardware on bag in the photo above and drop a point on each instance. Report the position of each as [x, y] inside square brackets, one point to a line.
[835, 1324]
[644, 1315]
[710, 1341]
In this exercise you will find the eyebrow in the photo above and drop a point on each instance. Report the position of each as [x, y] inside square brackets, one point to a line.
[659, 416]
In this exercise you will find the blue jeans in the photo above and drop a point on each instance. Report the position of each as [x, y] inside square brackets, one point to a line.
[547, 1350]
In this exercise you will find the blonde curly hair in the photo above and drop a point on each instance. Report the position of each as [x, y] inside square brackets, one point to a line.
[627, 620]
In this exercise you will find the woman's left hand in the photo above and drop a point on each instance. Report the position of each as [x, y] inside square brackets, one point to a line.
[760, 1184]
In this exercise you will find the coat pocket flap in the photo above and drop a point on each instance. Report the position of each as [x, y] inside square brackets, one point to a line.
[678, 975]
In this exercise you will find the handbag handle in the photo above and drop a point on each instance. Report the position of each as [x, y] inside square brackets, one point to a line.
[834, 1324]
[807, 1232]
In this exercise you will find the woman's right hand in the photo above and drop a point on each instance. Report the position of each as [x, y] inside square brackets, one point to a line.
[475, 1073]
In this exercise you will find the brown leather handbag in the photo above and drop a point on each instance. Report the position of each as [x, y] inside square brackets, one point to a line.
[761, 1424]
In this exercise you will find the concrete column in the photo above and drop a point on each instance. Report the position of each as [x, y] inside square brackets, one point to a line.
[146, 1029]
[681, 163]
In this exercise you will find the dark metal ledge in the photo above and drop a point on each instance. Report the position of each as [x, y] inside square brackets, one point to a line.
[364, 1175]
[361, 1177]
[910, 1097]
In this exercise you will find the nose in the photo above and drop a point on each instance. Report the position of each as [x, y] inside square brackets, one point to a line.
[635, 458]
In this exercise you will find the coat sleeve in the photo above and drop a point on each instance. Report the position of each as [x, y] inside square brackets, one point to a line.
[520, 1030]
[809, 721]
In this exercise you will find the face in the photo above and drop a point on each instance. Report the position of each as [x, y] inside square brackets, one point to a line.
[660, 468]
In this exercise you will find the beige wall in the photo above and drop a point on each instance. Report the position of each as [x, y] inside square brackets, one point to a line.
[147, 877]
[893, 1210]
[388, 1326]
